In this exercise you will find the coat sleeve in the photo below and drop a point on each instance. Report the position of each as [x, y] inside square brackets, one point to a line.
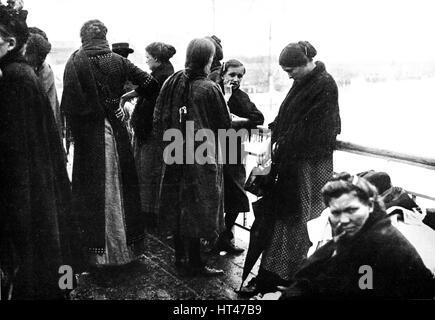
[245, 108]
[147, 85]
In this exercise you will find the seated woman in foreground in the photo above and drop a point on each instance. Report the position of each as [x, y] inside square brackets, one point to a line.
[367, 258]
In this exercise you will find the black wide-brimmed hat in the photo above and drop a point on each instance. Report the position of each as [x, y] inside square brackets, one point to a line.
[122, 46]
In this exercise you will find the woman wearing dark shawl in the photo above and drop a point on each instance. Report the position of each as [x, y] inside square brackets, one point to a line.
[36, 226]
[147, 152]
[104, 181]
[303, 139]
[191, 196]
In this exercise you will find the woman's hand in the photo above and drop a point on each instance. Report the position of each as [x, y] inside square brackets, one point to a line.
[238, 122]
[128, 96]
[120, 113]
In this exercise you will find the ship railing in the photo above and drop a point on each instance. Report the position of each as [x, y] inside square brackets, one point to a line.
[259, 137]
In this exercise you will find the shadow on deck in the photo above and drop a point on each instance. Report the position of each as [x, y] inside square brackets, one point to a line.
[154, 277]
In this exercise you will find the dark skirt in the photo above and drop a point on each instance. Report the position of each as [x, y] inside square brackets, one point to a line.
[289, 242]
[148, 158]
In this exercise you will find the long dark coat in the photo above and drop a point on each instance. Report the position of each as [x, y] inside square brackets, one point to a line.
[235, 174]
[192, 194]
[93, 85]
[36, 226]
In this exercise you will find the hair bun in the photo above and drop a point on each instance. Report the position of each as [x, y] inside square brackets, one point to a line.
[161, 51]
[169, 51]
[310, 51]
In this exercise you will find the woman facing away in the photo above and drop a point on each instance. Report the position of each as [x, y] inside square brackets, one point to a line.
[303, 139]
[245, 115]
[37, 229]
[191, 196]
[104, 180]
[147, 152]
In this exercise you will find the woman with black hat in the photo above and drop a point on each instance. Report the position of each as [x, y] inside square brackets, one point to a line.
[303, 139]
[36, 226]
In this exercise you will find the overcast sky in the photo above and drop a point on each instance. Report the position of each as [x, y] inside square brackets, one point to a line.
[341, 30]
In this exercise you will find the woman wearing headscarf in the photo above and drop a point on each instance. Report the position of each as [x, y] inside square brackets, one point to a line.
[191, 198]
[36, 226]
[303, 139]
[147, 152]
[245, 115]
[104, 181]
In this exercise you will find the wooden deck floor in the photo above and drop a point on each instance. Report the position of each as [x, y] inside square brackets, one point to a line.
[154, 277]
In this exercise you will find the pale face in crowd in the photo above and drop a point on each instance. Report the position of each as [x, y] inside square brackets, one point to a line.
[348, 214]
[6, 44]
[233, 76]
[152, 62]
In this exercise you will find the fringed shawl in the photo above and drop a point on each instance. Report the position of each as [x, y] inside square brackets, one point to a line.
[173, 95]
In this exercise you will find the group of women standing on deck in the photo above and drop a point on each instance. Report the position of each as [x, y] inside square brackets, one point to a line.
[118, 191]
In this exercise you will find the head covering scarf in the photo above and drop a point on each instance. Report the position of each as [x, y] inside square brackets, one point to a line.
[93, 34]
